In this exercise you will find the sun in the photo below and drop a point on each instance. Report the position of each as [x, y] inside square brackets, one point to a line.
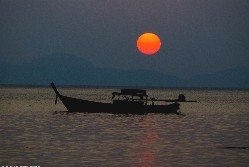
[148, 43]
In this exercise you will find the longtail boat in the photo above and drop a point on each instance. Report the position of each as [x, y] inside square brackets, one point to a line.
[128, 101]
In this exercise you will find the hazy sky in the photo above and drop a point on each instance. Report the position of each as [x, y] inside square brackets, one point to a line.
[197, 35]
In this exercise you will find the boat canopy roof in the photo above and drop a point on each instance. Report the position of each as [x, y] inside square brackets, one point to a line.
[131, 92]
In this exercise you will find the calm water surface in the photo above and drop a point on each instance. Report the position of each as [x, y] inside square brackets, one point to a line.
[34, 131]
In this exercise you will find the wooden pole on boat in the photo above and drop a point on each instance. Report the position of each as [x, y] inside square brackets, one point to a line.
[172, 100]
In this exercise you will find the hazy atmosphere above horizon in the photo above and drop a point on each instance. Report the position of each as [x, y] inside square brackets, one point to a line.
[197, 36]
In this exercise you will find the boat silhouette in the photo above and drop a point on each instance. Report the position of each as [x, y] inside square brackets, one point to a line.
[128, 101]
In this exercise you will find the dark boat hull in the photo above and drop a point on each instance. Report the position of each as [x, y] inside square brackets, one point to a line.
[79, 105]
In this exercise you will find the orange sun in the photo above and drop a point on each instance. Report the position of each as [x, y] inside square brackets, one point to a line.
[148, 43]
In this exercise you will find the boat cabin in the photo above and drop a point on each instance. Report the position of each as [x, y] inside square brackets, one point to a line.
[130, 96]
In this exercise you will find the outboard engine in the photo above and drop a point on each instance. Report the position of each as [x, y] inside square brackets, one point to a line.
[181, 98]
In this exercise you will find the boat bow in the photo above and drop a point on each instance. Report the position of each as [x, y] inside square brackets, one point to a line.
[56, 92]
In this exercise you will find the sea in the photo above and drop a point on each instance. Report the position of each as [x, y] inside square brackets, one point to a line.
[34, 131]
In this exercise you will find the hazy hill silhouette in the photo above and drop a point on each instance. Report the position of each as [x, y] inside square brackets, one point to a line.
[66, 69]
[230, 78]
[71, 70]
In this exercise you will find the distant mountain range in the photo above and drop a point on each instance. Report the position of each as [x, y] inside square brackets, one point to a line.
[230, 78]
[65, 69]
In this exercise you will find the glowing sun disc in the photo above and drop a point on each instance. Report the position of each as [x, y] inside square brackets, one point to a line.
[148, 43]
